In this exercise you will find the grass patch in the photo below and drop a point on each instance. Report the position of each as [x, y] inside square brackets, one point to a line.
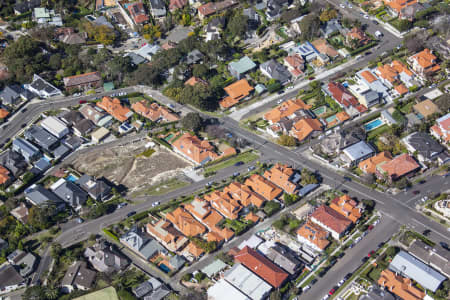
[162, 188]
[110, 234]
[406, 109]
[308, 281]
[245, 157]
[237, 226]
[372, 135]
[146, 153]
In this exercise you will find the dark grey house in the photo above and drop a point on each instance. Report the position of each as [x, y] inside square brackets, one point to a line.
[70, 193]
[275, 70]
[12, 94]
[14, 162]
[97, 189]
[104, 258]
[426, 148]
[41, 137]
[40, 196]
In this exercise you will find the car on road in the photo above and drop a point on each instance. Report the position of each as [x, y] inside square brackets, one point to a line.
[416, 192]
[341, 255]
[313, 281]
[280, 92]
[172, 106]
[341, 282]
[236, 174]
[251, 168]
[208, 184]
[131, 213]
[23, 125]
[306, 288]
[79, 220]
[154, 204]
[347, 277]
[312, 78]
[342, 5]
[346, 178]
[366, 16]
[422, 181]
[239, 163]
[332, 291]
[444, 245]
[344, 191]
[365, 258]
[120, 205]
[82, 101]
[326, 297]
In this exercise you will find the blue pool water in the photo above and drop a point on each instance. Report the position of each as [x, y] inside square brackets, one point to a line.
[164, 268]
[373, 124]
[72, 178]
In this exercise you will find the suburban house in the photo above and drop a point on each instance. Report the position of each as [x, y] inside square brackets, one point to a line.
[356, 38]
[305, 128]
[402, 165]
[104, 258]
[213, 29]
[264, 187]
[400, 286]
[282, 256]
[93, 113]
[287, 109]
[369, 166]
[395, 74]
[211, 8]
[55, 126]
[46, 17]
[295, 64]
[71, 117]
[24, 261]
[148, 51]
[142, 244]
[41, 137]
[348, 207]
[344, 98]
[102, 4]
[424, 63]
[97, 189]
[40, 196]
[441, 129]
[244, 282]
[423, 145]
[85, 81]
[244, 194]
[436, 257]
[396, 6]
[10, 279]
[426, 108]
[355, 153]
[165, 233]
[42, 88]
[78, 276]
[157, 8]
[115, 108]
[368, 78]
[240, 67]
[13, 94]
[324, 48]
[261, 266]
[83, 127]
[154, 112]
[185, 222]
[274, 8]
[5, 176]
[137, 12]
[69, 192]
[14, 162]
[194, 57]
[26, 149]
[330, 28]
[225, 204]
[177, 4]
[21, 213]
[274, 70]
[193, 81]
[313, 236]
[151, 289]
[283, 176]
[335, 223]
[236, 92]
[99, 135]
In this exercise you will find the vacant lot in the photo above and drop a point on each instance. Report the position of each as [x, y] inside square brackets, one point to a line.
[128, 166]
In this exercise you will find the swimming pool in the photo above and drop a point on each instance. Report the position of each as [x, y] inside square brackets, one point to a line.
[164, 268]
[373, 124]
[72, 178]
[330, 119]
[169, 137]
[320, 110]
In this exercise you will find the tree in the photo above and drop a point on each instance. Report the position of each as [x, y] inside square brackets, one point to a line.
[192, 121]
[309, 27]
[56, 250]
[55, 61]
[286, 140]
[308, 177]
[36, 292]
[199, 276]
[404, 25]
[200, 70]
[237, 25]
[328, 14]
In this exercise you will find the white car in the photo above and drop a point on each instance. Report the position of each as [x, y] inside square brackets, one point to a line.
[155, 203]
[306, 288]
[366, 16]
[341, 282]
[342, 5]
[280, 101]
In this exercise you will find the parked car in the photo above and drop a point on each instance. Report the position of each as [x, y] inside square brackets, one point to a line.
[416, 192]
[312, 78]
[236, 174]
[331, 292]
[79, 220]
[239, 163]
[347, 277]
[375, 22]
[370, 227]
[208, 184]
[82, 101]
[131, 213]
[371, 253]
[251, 168]
[341, 282]
[444, 245]
[342, 5]
[154, 204]
[306, 288]
[120, 205]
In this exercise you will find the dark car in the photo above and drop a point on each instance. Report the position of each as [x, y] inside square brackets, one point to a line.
[280, 92]
[416, 192]
[82, 101]
[236, 174]
[347, 277]
[239, 163]
[321, 274]
[444, 245]
[422, 181]
[312, 78]
[341, 255]
[131, 213]
[313, 281]
[365, 258]
[344, 191]
[375, 22]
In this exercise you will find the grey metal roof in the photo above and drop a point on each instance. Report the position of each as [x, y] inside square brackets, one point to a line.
[424, 144]
[158, 293]
[96, 188]
[142, 289]
[276, 71]
[247, 282]
[41, 196]
[151, 248]
[134, 239]
[243, 65]
[284, 258]
[436, 257]
[177, 261]
[214, 268]
[14, 162]
[71, 193]
[60, 151]
[9, 276]
[42, 165]
[409, 266]
[42, 137]
[135, 58]
[25, 147]
[307, 189]
[358, 150]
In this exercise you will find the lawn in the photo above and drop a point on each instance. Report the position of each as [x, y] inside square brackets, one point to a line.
[377, 132]
[245, 157]
[162, 188]
[104, 294]
[406, 109]
[237, 226]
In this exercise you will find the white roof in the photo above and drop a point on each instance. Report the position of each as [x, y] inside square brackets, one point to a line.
[433, 94]
[222, 290]
[358, 150]
[54, 125]
[100, 133]
[252, 242]
[247, 282]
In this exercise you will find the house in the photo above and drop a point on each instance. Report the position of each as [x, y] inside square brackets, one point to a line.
[78, 276]
[26, 6]
[137, 12]
[394, 73]
[71, 117]
[287, 109]
[185, 222]
[5, 176]
[305, 128]
[115, 108]
[424, 63]
[355, 153]
[400, 286]
[396, 6]
[26, 262]
[236, 92]
[244, 194]
[99, 135]
[224, 204]
[93, 113]
[154, 112]
[104, 258]
[404, 264]
[10, 279]
[423, 146]
[264, 187]
[194, 57]
[39, 196]
[12, 94]
[436, 257]
[26, 149]
[402, 165]
[285, 258]
[83, 128]
[313, 236]
[20, 213]
[213, 29]
[240, 67]
[331, 27]
[441, 129]
[356, 38]
[72, 38]
[367, 78]
[151, 289]
[247, 282]
[348, 207]
[148, 51]
[335, 223]
[194, 149]
[211, 8]
[177, 4]
[46, 17]
[42, 88]
[426, 108]
[42, 138]
[261, 266]
[14, 162]
[69, 192]
[222, 290]
[306, 51]
[142, 244]
[369, 166]
[283, 176]
[55, 126]
[295, 64]
[274, 8]
[167, 235]
[274, 70]
[343, 97]
[157, 8]
[253, 18]
[324, 48]
[195, 80]
[85, 81]
[135, 59]
[97, 189]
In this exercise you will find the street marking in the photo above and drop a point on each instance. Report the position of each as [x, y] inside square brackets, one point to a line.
[433, 231]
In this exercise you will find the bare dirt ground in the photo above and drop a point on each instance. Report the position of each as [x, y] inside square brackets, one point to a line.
[123, 165]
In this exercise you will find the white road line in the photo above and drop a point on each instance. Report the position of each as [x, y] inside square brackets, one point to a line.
[443, 236]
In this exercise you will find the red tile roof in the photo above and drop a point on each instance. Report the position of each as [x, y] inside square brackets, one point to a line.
[347, 207]
[400, 166]
[137, 11]
[342, 95]
[264, 187]
[281, 176]
[331, 219]
[194, 148]
[115, 108]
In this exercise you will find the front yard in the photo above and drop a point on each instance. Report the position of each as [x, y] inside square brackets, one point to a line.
[245, 157]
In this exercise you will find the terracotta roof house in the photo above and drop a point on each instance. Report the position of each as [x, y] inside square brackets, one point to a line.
[357, 34]
[426, 108]
[5, 176]
[347, 207]
[85, 81]
[400, 286]
[369, 165]
[137, 12]
[185, 222]
[323, 47]
[341, 95]
[225, 204]
[402, 165]
[177, 4]
[264, 187]
[396, 6]
[3, 113]
[295, 64]
[195, 80]
[244, 194]
[401, 89]
[331, 220]
[115, 108]
[424, 63]
[211, 8]
[236, 92]
[285, 109]
[395, 73]
[313, 235]
[154, 112]
[441, 130]
[194, 250]
[305, 128]
[283, 176]
[261, 266]
[195, 149]
[167, 235]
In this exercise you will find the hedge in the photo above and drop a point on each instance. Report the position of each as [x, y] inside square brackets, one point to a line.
[111, 235]
[162, 142]
[363, 48]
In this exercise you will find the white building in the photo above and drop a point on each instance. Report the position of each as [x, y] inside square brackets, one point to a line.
[247, 282]
[223, 290]
[55, 126]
